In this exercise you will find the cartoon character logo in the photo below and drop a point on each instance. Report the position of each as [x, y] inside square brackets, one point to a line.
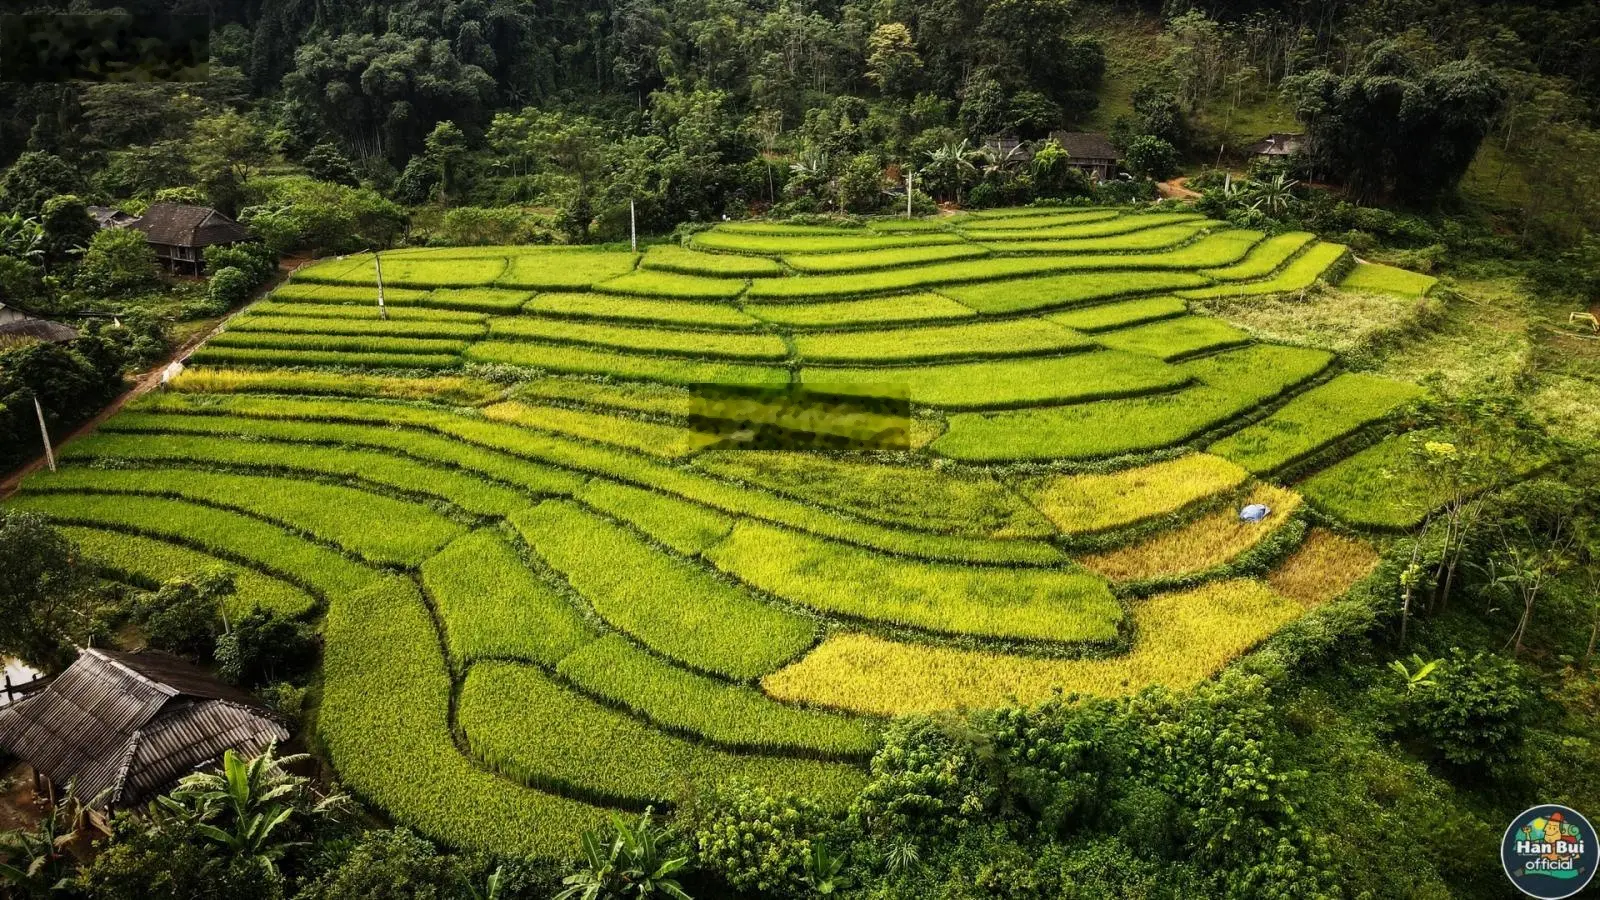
[1549, 852]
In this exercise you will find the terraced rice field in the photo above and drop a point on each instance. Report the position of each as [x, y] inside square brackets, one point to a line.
[547, 592]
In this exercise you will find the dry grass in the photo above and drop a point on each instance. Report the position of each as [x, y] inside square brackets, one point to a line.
[1182, 637]
[1208, 541]
[1324, 567]
[1083, 504]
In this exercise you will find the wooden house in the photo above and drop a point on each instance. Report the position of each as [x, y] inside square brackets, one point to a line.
[1090, 151]
[1279, 144]
[16, 323]
[180, 234]
[111, 217]
[124, 727]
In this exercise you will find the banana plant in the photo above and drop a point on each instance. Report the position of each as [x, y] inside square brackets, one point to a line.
[629, 865]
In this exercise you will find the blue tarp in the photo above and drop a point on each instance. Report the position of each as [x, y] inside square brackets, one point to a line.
[1255, 512]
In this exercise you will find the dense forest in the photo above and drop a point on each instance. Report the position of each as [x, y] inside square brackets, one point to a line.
[1454, 688]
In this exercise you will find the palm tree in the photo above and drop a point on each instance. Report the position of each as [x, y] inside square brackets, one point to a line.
[631, 864]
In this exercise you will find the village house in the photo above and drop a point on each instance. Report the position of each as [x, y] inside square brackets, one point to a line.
[1090, 151]
[124, 727]
[1279, 144]
[180, 234]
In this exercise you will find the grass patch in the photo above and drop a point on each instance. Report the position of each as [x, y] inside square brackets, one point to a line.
[668, 312]
[1101, 228]
[729, 715]
[990, 602]
[524, 725]
[335, 343]
[1301, 273]
[867, 260]
[1231, 383]
[1121, 314]
[701, 344]
[685, 527]
[385, 723]
[992, 298]
[1068, 290]
[471, 493]
[1324, 567]
[900, 226]
[532, 477]
[997, 384]
[672, 285]
[365, 312]
[785, 244]
[1164, 237]
[667, 441]
[905, 308]
[148, 562]
[439, 388]
[1016, 337]
[911, 496]
[583, 361]
[339, 515]
[576, 270]
[670, 605]
[1314, 420]
[487, 300]
[217, 532]
[1034, 218]
[673, 258]
[1084, 504]
[1205, 543]
[1182, 638]
[1175, 338]
[307, 325]
[397, 423]
[349, 295]
[1379, 487]
[1387, 280]
[1266, 257]
[493, 607]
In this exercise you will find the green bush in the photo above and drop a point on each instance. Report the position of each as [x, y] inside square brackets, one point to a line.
[753, 839]
[1148, 156]
[263, 647]
[229, 287]
[119, 261]
[182, 616]
[1474, 711]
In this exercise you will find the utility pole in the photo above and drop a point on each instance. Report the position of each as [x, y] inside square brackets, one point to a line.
[49, 454]
[383, 311]
[633, 226]
[908, 192]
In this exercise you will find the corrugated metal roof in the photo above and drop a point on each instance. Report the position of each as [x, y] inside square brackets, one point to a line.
[131, 723]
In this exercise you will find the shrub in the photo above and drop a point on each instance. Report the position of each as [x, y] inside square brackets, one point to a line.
[1474, 711]
[389, 862]
[119, 261]
[182, 616]
[265, 646]
[1151, 157]
[752, 839]
[229, 287]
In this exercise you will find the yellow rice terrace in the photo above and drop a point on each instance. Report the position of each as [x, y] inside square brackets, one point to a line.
[548, 590]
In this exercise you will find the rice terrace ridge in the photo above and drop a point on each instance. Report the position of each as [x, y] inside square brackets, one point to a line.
[548, 597]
